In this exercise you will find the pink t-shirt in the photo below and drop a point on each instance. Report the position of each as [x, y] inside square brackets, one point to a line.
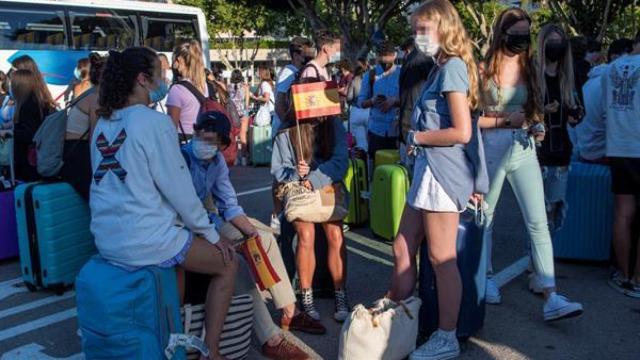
[310, 72]
[180, 97]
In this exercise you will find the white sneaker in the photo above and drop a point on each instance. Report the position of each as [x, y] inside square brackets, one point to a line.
[535, 285]
[275, 224]
[492, 293]
[441, 346]
[558, 307]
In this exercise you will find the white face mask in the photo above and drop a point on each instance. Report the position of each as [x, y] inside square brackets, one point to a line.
[169, 75]
[427, 45]
[335, 58]
[204, 150]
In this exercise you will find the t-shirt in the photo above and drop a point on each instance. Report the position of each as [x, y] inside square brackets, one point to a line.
[180, 97]
[315, 71]
[265, 88]
[556, 148]
[237, 95]
[286, 77]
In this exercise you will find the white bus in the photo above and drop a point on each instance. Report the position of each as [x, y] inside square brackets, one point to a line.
[57, 33]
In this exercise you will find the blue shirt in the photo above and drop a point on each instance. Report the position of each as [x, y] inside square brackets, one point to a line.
[213, 177]
[381, 124]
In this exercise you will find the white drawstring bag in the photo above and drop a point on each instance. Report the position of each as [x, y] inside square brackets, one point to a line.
[386, 332]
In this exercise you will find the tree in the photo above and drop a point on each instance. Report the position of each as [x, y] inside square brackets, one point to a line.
[589, 17]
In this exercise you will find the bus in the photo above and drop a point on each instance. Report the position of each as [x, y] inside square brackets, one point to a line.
[57, 33]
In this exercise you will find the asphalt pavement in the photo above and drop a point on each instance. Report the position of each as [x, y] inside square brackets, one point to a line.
[43, 325]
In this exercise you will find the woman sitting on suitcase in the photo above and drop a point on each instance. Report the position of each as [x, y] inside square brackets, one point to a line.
[210, 176]
[444, 179]
[141, 186]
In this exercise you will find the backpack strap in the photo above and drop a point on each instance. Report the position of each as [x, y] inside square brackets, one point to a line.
[198, 95]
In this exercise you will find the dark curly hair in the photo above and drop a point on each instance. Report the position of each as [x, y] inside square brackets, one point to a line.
[97, 66]
[119, 77]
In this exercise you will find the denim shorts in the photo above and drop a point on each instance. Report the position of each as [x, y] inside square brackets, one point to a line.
[181, 257]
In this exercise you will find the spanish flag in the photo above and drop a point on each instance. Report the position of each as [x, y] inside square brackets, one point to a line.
[263, 272]
[316, 99]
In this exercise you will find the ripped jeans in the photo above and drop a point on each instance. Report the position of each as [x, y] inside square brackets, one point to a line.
[555, 179]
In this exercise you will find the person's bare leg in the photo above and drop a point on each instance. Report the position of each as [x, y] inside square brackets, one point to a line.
[405, 248]
[624, 214]
[442, 232]
[336, 254]
[205, 258]
[305, 253]
[244, 131]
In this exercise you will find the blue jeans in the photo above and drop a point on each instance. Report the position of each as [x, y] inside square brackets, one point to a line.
[511, 155]
[555, 179]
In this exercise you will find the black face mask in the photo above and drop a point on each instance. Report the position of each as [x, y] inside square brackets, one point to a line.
[517, 44]
[555, 51]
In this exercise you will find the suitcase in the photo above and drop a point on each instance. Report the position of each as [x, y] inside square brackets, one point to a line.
[53, 234]
[388, 196]
[8, 232]
[386, 157]
[124, 314]
[472, 262]
[322, 281]
[587, 230]
[261, 145]
[357, 182]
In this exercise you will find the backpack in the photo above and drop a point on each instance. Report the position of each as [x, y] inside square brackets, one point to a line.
[126, 314]
[49, 140]
[210, 104]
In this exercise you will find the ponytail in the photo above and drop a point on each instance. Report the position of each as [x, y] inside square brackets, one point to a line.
[191, 54]
[119, 77]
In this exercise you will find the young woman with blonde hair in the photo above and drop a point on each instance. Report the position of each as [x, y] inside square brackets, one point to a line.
[512, 123]
[182, 105]
[444, 177]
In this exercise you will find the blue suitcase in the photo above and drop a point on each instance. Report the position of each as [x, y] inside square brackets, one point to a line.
[472, 262]
[126, 314]
[587, 230]
[261, 145]
[53, 234]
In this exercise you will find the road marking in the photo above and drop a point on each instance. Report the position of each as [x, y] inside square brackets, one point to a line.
[37, 324]
[34, 351]
[369, 256]
[35, 304]
[258, 190]
[11, 287]
[511, 272]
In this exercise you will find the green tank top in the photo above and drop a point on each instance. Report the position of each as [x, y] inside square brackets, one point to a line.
[505, 98]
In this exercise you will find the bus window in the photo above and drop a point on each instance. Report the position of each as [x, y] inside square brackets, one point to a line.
[163, 33]
[31, 29]
[97, 29]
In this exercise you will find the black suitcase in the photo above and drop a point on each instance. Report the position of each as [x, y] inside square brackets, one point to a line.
[472, 262]
[322, 281]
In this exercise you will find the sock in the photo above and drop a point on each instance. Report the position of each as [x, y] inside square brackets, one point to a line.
[449, 334]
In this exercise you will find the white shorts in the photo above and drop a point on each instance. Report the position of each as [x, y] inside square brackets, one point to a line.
[426, 193]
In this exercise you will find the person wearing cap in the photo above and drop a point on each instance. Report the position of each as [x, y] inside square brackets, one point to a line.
[213, 186]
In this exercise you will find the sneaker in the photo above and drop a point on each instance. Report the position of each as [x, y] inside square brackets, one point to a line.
[535, 285]
[275, 223]
[345, 228]
[617, 283]
[342, 306]
[285, 350]
[492, 293]
[442, 345]
[558, 307]
[302, 322]
[633, 290]
[307, 304]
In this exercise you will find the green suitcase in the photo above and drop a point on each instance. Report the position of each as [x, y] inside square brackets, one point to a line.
[357, 182]
[261, 145]
[388, 196]
[386, 157]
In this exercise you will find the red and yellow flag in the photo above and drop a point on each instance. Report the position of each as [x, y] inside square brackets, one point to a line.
[316, 99]
[263, 272]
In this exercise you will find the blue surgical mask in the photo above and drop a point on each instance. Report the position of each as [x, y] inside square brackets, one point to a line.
[77, 74]
[158, 93]
[204, 150]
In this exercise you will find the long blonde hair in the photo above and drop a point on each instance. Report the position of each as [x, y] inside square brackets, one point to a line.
[454, 40]
[495, 55]
[191, 54]
[565, 66]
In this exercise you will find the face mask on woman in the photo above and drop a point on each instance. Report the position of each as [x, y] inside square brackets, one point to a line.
[204, 150]
[427, 45]
[517, 43]
[77, 74]
[554, 51]
[159, 93]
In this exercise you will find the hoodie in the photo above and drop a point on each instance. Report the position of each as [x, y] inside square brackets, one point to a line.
[621, 102]
[590, 133]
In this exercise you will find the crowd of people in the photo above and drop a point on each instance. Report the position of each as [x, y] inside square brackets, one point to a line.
[141, 152]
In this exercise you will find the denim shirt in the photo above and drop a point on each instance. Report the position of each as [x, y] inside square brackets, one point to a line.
[213, 177]
[381, 124]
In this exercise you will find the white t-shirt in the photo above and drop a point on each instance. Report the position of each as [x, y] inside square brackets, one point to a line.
[265, 88]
